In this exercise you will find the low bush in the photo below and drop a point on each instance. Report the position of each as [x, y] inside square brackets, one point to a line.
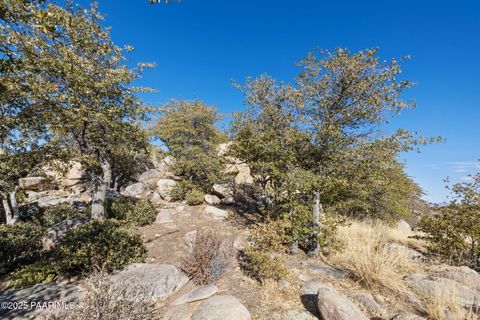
[29, 275]
[194, 197]
[19, 244]
[180, 190]
[55, 214]
[133, 211]
[98, 245]
[262, 265]
[210, 257]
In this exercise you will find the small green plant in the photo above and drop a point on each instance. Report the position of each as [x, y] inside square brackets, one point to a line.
[262, 265]
[194, 197]
[181, 189]
[19, 244]
[29, 275]
[99, 245]
[133, 211]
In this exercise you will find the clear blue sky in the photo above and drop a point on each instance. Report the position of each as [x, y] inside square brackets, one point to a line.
[201, 45]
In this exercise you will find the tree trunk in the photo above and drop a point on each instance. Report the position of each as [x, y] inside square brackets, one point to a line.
[14, 205]
[316, 211]
[100, 191]
[8, 211]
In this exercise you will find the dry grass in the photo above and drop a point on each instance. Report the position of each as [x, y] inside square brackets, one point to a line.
[211, 256]
[106, 301]
[368, 261]
[441, 304]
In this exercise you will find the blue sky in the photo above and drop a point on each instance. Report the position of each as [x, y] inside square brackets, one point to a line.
[199, 46]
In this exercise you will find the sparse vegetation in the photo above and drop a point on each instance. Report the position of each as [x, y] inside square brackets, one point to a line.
[210, 257]
[194, 197]
[133, 211]
[55, 214]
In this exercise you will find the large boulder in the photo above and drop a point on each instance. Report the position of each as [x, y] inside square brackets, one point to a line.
[150, 178]
[164, 187]
[32, 183]
[334, 306]
[463, 275]
[65, 174]
[149, 281]
[221, 308]
[36, 297]
[135, 190]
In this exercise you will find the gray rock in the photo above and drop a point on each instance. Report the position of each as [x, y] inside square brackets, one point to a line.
[308, 294]
[156, 199]
[296, 315]
[59, 230]
[212, 199]
[38, 294]
[181, 312]
[189, 239]
[150, 281]
[135, 190]
[164, 216]
[164, 187]
[428, 285]
[334, 306]
[323, 269]
[403, 225]
[223, 190]
[369, 303]
[216, 213]
[197, 294]
[464, 275]
[32, 183]
[406, 315]
[412, 254]
[221, 308]
[150, 178]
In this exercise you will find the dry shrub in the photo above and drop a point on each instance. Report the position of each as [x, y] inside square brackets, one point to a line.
[368, 260]
[106, 301]
[441, 304]
[210, 257]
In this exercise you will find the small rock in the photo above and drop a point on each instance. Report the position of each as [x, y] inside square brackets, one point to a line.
[412, 254]
[334, 306]
[320, 268]
[216, 213]
[221, 308]
[296, 315]
[282, 283]
[223, 190]
[164, 216]
[212, 199]
[403, 225]
[197, 294]
[369, 303]
[156, 199]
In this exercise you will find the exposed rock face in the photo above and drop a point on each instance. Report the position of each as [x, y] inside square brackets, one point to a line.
[212, 199]
[223, 190]
[164, 187]
[197, 294]
[463, 275]
[135, 190]
[59, 230]
[369, 303]
[334, 306]
[181, 312]
[403, 225]
[39, 293]
[150, 178]
[320, 268]
[428, 285]
[216, 213]
[165, 216]
[296, 315]
[150, 281]
[412, 254]
[32, 183]
[221, 308]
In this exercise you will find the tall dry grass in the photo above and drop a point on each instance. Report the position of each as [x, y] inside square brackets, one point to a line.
[441, 304]
[368, 260]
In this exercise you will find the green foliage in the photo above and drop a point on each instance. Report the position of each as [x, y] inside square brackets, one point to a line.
[188, 130]
[194, 197]
[98, 245]
[454, 232]
[29, 275]
[133, 211]
[261, 265]
[19, 244]
[55, 214]
[180, 190]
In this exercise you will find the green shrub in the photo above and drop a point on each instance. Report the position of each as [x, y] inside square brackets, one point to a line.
[29, 275]
[262, 265]
[99, 245]
[19, 244]
[55, 214]
[133, 211]
[194, 197]
[180, 190]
